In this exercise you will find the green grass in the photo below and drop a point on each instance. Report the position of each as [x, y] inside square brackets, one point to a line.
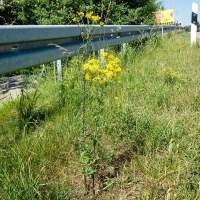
[149, 125]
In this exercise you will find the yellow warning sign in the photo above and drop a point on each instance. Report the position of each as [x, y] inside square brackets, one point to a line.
[165, 17]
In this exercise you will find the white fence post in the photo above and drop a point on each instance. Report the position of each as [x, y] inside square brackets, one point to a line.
[58, 70]
[194, 23]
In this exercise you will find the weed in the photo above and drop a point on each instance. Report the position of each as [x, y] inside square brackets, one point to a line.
[196, 103]
[26, 110]
[170, 75]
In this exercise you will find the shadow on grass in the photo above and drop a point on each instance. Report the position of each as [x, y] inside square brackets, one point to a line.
[30, 115]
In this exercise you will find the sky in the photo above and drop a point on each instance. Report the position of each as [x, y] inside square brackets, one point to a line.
[182, 8]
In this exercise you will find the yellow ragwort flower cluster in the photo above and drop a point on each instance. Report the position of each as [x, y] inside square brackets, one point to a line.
[92, 17]
[102, 71]
[89, 16]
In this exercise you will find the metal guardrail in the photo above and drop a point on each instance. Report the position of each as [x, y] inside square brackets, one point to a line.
[25, 46]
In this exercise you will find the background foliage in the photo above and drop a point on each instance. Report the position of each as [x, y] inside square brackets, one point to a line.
[63, 11]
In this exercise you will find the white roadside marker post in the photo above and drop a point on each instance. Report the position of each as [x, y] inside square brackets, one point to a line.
[194, 23]
[58, 70]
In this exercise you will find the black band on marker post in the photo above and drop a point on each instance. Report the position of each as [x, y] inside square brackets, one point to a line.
[194, 18]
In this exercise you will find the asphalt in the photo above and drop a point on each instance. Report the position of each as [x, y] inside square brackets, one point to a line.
[10, 87]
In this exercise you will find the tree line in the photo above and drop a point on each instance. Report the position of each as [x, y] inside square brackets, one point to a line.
[63, 11]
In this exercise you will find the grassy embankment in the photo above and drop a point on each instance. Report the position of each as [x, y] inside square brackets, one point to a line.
[149, 125]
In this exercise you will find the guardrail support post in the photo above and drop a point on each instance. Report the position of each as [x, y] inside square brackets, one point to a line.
[194, 23]
[101, 55]
[123, 48]
[58, 70]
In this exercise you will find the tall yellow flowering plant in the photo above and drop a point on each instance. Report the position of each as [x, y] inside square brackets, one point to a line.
[98, 72]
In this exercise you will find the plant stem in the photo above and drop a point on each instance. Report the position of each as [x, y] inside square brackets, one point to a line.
[84, 107]
[93, 184]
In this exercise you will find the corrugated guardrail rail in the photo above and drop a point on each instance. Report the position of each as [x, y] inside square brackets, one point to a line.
[29, 45]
